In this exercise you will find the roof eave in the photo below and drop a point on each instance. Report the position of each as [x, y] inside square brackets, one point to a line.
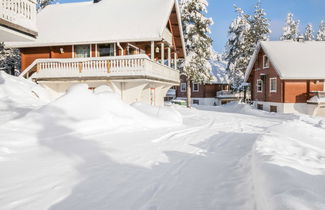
[33, 44]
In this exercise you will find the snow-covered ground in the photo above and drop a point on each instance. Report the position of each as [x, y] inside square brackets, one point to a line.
[91, 151]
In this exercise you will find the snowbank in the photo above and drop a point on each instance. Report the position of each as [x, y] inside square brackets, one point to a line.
[167, 113]
[83, 110]
[289, 164]
[18, 96]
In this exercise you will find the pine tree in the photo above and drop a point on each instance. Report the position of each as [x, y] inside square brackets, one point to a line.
[291, 28]
[9, 60]
[321, 32]
[244, 34]
[198, 43]
[260, 26]
[309, 33]
[236, 47]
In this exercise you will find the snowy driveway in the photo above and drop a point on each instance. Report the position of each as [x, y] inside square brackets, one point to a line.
[209, 162]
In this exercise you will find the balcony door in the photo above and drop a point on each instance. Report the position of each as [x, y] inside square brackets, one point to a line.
[105, 50]
[82, 51]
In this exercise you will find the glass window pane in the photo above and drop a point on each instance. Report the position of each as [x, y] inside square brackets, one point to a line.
[82, 51]
[105, 50]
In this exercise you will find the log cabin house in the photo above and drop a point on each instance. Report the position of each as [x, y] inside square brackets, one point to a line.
[216, 92]
[131, 46]
[285, 75]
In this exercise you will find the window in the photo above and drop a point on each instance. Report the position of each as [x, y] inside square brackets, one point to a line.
[273, 87]
[260, 106]
[82, 51]
[195, 87]
[259, 85]
[273, 109]
[266, 62]
[183, 87]
[105, 50]
[197, 102]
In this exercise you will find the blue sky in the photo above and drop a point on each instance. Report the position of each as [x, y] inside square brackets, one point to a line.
[222, 12]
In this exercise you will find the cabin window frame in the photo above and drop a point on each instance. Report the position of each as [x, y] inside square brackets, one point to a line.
[196, 101]
[111, 46]
[259, 85]
[198, 87]
[74, 50]
[275, 85]
[266, 62]
[183, 87]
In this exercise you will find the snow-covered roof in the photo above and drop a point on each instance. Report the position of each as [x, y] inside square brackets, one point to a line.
[102, 22]
[293, 60]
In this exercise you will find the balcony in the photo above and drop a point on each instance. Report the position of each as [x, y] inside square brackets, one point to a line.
[17, 20]
[316, 97]
[100, 68]
[229, 94]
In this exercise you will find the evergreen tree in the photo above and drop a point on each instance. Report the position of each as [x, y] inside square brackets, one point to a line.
[309, 33]
[260, 27]
[9, 60]
[321, 32]
[198, 43]
[244, 34]
[236, 48]
[291, 28]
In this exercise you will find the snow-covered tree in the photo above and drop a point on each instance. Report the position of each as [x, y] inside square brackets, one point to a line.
[244, 34]
[260, 26]
[321, 32]
[291, 28]
[40, 4]
[198, 43]
[309, 33]
[237, 47]
[9, 60]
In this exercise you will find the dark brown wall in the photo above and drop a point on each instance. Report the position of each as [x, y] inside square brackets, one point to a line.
[205, 91]
[270, 72]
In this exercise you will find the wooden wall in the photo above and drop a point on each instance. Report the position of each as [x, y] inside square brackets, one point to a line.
[28, 55]
[270, 72]
[205, 91]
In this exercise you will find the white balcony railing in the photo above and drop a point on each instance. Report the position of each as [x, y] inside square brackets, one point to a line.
[19, 13]
[119, 66]
[229, 94]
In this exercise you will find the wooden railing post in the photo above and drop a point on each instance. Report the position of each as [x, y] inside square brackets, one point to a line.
[38, 67]
[108, 66]
[80, 67]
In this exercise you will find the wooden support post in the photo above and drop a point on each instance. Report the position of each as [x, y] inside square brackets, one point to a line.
[80, 67]
[169, 57]
[175, 60]
[162, 53]
[37, 67]
[152, 50]
[108, 66]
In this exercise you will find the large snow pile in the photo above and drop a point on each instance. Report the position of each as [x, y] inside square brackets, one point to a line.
[18, 96]
[82, 109]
